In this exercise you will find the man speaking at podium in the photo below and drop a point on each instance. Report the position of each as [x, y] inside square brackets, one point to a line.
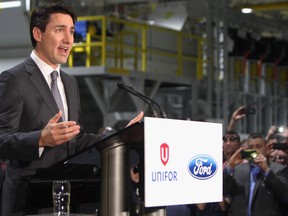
[40, 116]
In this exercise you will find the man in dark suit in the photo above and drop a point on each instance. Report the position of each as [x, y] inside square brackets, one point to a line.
[33, 132]
[253, 186]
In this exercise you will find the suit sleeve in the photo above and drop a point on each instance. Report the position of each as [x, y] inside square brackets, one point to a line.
[14, 144]
[277, 181]
[228, 183]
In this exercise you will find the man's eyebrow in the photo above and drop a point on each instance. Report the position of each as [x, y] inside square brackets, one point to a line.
[64, 26]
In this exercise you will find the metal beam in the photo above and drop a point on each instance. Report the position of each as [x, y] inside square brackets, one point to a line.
[265, 7]
[95, 92]
[123, 1]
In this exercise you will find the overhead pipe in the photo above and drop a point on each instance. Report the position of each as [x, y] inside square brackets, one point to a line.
[265, 7]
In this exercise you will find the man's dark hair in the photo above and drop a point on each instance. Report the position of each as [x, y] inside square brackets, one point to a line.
[40, 17]
[256, 135]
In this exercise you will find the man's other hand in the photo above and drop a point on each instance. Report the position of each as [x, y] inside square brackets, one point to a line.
[55, 133]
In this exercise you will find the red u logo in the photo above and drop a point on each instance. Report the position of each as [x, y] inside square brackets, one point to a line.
[164, 153]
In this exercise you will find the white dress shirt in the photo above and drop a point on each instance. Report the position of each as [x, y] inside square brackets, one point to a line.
[46, 71]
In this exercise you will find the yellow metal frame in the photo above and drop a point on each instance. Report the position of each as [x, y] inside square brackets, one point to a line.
[104, 44]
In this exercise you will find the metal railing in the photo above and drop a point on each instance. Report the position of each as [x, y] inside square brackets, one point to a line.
[129, 40]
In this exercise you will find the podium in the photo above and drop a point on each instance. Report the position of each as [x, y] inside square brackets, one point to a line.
[113, 178]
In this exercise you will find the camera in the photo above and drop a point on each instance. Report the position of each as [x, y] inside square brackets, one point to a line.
[281, 141]
[279, 129]
[249, 110]
[280, 146]
[248, 154]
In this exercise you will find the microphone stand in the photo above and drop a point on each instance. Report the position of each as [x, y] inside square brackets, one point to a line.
[139, 95]
[162, 112]
[144, 98]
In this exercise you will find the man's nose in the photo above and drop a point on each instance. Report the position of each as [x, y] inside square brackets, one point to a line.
[68, 37]
[228, 142]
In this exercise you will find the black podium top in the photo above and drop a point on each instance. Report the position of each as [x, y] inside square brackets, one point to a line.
[85, 165]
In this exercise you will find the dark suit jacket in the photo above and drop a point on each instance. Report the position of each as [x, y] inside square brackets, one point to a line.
[26, 105]
[269, 196]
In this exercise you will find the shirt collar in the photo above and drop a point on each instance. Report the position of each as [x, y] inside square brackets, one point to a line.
[43, 66]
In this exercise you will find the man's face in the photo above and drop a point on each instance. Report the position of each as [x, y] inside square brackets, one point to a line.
[257, 144]
[231, 143]
[54, 45]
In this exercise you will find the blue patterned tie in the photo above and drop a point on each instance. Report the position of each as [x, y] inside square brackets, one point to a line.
[56, 93]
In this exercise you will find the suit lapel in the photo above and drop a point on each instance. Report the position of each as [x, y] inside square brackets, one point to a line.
[38, 81]
[258, 181]
[246, 171]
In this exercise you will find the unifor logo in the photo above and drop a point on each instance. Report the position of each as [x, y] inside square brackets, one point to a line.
[202, 167]
[164, 153]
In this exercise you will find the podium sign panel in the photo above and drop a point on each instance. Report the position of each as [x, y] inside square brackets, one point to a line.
[183, 162]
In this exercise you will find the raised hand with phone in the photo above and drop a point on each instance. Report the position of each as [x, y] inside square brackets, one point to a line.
[240, 113]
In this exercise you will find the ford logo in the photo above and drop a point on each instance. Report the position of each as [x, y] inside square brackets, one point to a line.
[202, 167]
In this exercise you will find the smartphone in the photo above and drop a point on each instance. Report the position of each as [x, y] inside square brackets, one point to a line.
[280, 146]
[248, 154]
[249, 110]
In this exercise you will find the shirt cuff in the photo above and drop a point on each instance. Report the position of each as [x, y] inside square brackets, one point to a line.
[41, 149]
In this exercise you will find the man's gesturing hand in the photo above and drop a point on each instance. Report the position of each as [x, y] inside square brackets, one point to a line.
[55, 134]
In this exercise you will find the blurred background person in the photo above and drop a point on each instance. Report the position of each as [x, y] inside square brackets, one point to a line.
[277, 138]
[231, 143]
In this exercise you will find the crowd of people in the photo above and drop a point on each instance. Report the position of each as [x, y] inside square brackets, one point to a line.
[255, 174]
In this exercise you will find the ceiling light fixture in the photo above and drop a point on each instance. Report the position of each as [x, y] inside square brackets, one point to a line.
[10, 4]
[27, 5]
[246, 10]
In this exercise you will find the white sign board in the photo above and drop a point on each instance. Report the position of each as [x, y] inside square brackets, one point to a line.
[183, 162]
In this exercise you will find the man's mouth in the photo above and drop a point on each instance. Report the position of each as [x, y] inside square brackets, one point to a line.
[63, 49]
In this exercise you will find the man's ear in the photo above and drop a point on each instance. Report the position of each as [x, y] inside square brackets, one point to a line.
[37, 34]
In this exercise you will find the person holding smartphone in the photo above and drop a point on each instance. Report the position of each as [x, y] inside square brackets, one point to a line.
[257, 186]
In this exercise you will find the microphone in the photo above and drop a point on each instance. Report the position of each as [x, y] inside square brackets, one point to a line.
[121, 85]
[134, 91]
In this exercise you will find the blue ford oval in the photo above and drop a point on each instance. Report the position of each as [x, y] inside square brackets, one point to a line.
[202, 167]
